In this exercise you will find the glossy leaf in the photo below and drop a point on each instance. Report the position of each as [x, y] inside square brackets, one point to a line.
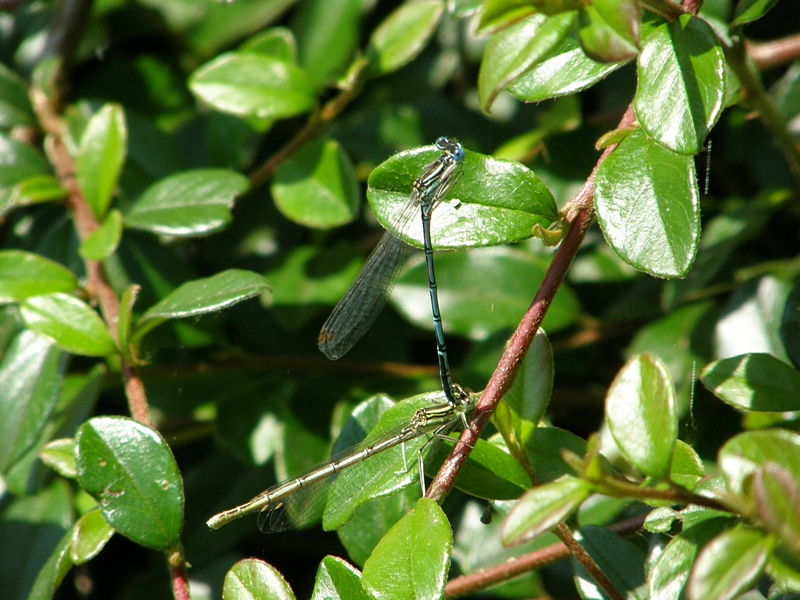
[566, 71]
[508, 278]
[317, 186]
[69, 322]
[188, 204]
[758, 382]
[650, 216]
[253, 579]
[104, 240]
[102, 152]
[247, 84]
[33, 190]
[496, 14]
[32, 532]
[670, 571]
[89, 536]
[403, 35]
[544, 507]
[515, 50]
[609, 29]
[777, 502]
[687, 467]
[24, 274]
[203, 296]
[328, 31]
[743, 454]
[18, 162]
[530, 393]
[413, 559]
[15, 107]
[544, 449]
[30, 380]
[117, 460]
[681, 84]
[275, 41]
[748, 11]
[730, 564]
[59, 455]
[618, 559]
[642, 415]
[338, 580]
[495, 202]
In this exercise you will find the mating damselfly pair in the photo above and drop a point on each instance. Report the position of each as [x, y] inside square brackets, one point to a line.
[302, 500]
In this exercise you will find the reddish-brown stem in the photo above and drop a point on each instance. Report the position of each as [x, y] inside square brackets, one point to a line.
[579, 213]
[468, 584]
[766, 55]
[97, 284]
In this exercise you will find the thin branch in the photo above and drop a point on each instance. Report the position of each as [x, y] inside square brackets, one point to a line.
[316, 123]
[97, 283]
[766, 55]
[486, 578]
[756, 96]
[579, 214]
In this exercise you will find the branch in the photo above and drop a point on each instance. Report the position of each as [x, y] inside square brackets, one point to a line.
[766, 55]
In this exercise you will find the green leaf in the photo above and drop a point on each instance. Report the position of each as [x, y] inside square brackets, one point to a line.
[317, 186]
[99, 244]
[59, 455]
[544, 507]
[515, 50]
[563, 72]
[89, 536]
[757, 382]
[530, 393]
[687, 467]
[101, 155]
[203, 296]
[681, 84]
[24, 274]
[642, 415]
[15, 107]
[743, 454]
[777, 502]
[30, 380]
[748, 11]
[495, 202]
[648, 206]
[402, 35]
[278, 42]
[671, 570]
[32, 533]
[496, 14]
[18, 162]
[253, 579]
[373, 520]
[336, 579]
[247, 84]
[328, 31]
[618, 559]
[33, 190]
[53, 572]
[544, 448]
[413, 559]
[72, 324]
[188, 204]
[730, 564]
[609, 29]
[130, 471]
[509, 279]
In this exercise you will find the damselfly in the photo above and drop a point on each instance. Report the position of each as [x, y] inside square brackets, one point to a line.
[359, 307]
[301, 501]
